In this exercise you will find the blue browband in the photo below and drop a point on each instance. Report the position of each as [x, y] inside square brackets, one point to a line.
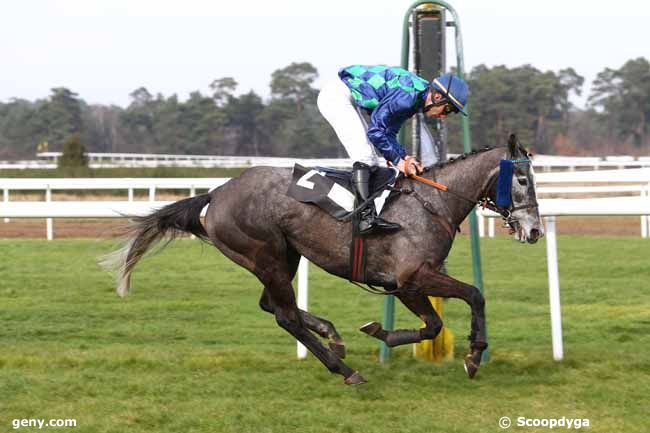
[504, 183]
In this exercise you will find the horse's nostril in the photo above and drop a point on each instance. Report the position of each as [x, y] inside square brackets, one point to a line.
[534, 233]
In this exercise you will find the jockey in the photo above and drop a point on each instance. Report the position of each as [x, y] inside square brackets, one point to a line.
[390, 95]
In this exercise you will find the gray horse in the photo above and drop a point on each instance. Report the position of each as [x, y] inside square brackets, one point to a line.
[253, 222]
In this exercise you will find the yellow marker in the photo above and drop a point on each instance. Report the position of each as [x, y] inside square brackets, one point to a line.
[440, 349]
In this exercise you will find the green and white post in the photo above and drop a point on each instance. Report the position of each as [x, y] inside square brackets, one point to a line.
[389, 301]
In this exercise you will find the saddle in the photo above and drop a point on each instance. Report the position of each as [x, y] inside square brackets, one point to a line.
[331, 189]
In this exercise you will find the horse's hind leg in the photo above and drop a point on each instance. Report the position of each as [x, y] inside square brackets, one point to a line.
[262, 249]
[421, 307]
[289, 318]
[320, 326]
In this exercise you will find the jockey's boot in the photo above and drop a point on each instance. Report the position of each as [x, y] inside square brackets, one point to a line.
[369, 221]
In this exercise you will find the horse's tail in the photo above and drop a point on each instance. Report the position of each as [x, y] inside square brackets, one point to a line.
[146, 231]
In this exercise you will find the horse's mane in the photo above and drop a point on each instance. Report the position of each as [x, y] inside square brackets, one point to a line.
[462, 156]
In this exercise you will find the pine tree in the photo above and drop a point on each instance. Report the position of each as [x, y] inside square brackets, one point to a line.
[74, 153]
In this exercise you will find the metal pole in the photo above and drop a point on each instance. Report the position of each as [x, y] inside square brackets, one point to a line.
[645, 192]
[647, 218]
[467, 146]
[303, 291]
[389, 302]
[48, 224]
[415, 133]
[6, 200]
[192, 194]
[389, 324]
[554, 288]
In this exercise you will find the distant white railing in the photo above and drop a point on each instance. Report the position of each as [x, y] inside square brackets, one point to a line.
[631, 175]
[571, 163]
[621, 180]
[548, 183]
[128, 184]
[112, 160]
[48, 160]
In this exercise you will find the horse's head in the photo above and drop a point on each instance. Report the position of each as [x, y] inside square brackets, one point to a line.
[516, 193]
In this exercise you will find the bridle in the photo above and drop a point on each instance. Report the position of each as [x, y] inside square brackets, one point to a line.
[485, 202]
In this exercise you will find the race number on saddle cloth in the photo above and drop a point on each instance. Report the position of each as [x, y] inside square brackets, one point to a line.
[331, 189]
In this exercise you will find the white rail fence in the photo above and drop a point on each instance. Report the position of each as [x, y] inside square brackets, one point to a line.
[49, 160]
[630, 181]
[152, 185]
[550, 209]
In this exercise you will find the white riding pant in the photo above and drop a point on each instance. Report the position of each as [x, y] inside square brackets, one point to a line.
[337, 106]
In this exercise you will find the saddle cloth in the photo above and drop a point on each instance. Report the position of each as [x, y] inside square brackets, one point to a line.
[331, 189]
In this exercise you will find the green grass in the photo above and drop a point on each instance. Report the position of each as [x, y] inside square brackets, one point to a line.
[189, 350]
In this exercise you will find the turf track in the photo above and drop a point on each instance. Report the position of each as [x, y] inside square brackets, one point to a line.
[190, 351]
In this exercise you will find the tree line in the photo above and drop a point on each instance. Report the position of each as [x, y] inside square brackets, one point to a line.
[535, 104]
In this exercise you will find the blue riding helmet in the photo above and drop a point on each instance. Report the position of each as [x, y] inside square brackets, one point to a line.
[454, 89]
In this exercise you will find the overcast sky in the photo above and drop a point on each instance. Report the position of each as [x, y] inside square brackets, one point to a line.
[103, 50]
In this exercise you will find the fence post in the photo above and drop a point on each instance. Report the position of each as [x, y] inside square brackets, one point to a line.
[647, 217]
[481, 224]
[554, 288]
[152, 193]
[6, 200]
[192, 194]
[48, 224]
[491, 224]
[644, 218]
[303, 290]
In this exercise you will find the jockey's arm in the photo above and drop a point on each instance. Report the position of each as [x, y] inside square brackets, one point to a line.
[385, 122]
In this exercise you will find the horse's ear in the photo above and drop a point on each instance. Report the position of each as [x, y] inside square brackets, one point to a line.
[512, 146]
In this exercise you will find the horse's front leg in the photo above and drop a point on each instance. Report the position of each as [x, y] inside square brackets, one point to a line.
[427, 281]
[421, 307]
[433, 283]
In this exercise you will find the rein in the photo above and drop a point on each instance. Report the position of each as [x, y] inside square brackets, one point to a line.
[484, 202]
[426, 181]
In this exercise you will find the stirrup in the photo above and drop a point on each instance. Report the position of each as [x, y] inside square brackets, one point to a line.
[383, 225]
[377, 224]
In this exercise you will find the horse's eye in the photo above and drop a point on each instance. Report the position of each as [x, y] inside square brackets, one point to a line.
[522, 181]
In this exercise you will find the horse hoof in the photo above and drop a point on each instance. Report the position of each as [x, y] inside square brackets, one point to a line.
[371, 328]
[338, 348]
[355, 379]
[470, 367]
